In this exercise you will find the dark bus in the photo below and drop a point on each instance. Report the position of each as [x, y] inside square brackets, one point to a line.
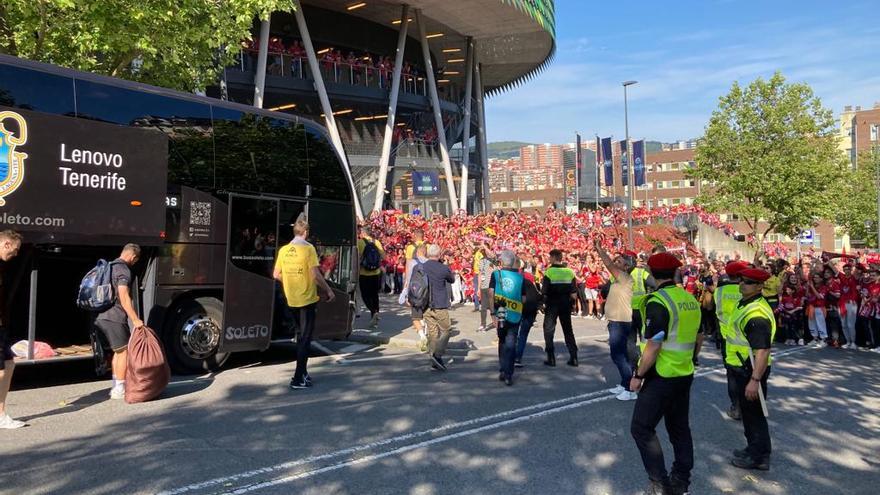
[208, 188]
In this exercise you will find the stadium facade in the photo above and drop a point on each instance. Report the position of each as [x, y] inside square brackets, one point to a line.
[400, 86]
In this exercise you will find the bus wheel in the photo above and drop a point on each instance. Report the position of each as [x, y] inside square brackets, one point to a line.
[193, 336]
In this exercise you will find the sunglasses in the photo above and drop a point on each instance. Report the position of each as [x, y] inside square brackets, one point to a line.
[748, 282]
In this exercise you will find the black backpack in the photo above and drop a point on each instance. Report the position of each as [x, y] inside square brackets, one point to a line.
[371, 259]
[96, 293]
[419, 292]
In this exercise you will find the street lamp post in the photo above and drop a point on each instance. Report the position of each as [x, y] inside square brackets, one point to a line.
[629, 183]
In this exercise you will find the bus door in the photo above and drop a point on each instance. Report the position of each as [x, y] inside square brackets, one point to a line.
[282, 323]
[249, 289]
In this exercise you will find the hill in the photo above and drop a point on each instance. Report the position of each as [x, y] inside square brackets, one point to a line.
[505, 149]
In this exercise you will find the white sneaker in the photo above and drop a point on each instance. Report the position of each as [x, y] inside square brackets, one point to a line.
[375, 320]
[800, 341]
[7, 423]
[876, 349]
[117, 392]
[616, 390]
[627, 395]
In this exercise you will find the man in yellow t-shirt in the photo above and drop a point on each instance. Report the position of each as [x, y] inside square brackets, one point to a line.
[418, 240]
[370, 276]
[478, 257]
[300, 275]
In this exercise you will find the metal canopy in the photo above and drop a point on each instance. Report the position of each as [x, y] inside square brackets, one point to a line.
[510, 44]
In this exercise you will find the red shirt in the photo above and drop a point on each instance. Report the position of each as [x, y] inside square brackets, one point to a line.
[849, 289]
[818, 301]
[792, 302]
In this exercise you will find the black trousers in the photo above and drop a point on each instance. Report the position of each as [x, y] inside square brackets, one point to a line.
[754, 423]
[632, 347]
[304, 319]
[370, 291]
[562, 312]
[668, 399]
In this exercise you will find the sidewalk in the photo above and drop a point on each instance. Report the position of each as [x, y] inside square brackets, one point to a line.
[395, 327]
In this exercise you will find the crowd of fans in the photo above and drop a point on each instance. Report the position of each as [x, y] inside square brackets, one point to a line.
[818, 299]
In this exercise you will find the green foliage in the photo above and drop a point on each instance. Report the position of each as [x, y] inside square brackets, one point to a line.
[856, 210]
[769, 154]
[179, 44]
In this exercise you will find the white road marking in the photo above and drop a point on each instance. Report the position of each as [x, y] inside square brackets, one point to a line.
[543, 409]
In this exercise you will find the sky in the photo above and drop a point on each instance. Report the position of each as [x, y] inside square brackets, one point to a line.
[685, 55]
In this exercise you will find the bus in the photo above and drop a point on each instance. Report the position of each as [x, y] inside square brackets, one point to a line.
[209, 189]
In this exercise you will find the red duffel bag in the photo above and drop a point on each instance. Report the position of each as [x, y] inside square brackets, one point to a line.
[148, 373]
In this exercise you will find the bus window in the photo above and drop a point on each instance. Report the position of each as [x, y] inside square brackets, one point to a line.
[332, 224]
[36, 90]
[259, 154]
[187, 125]
[326, 175]
[253, 234]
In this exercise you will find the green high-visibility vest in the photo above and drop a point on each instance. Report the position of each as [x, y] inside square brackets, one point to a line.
[559, 275]
[727, 297]
[640, 290]
[677, 352]
[737, 342]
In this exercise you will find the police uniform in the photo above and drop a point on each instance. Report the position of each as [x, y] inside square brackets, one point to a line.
[726, 298]
[557, 287]
[509, 289]
[640, 278]
[672, 318]
[753, 328]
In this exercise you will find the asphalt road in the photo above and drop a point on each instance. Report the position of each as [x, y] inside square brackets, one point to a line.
[381, 422]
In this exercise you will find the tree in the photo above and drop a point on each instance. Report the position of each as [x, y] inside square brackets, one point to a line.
[181, 44]
[769, 155]
[856, 209]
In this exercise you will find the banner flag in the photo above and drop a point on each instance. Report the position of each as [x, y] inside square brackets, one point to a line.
[624, 164]
[608, 161]
[639, 162]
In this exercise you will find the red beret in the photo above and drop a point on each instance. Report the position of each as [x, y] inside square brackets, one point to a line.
[663, 262]
[735, 268]
[755, 274]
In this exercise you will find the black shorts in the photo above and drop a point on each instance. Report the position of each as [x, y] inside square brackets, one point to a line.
[6, 345]
[417, 314]
[117, 333]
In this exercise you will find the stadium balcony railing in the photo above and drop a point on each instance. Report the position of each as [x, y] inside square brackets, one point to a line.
[368, 76]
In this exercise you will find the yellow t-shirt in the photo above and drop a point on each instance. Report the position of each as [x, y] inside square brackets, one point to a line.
[411, 249]
[771, 287]
[295, 261]
[361, 245]
[478, 256]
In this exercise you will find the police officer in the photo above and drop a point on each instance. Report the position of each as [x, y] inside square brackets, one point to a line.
[726, 297]
[754, 328]
[642, 283]
[664, 376]
[507, 292]
[560, 291]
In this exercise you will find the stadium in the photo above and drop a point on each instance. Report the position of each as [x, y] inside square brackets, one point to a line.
[400, 87]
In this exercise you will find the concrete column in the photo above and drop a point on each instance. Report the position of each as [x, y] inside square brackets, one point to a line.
[329, 120]
[385, 157]
[484, 158]
[262, 55]
[466, 137]
[438, 116]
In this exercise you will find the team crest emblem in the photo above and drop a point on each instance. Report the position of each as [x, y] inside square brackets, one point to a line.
[11, 161]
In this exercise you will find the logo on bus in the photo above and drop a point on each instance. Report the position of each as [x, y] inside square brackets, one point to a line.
[11, 161]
